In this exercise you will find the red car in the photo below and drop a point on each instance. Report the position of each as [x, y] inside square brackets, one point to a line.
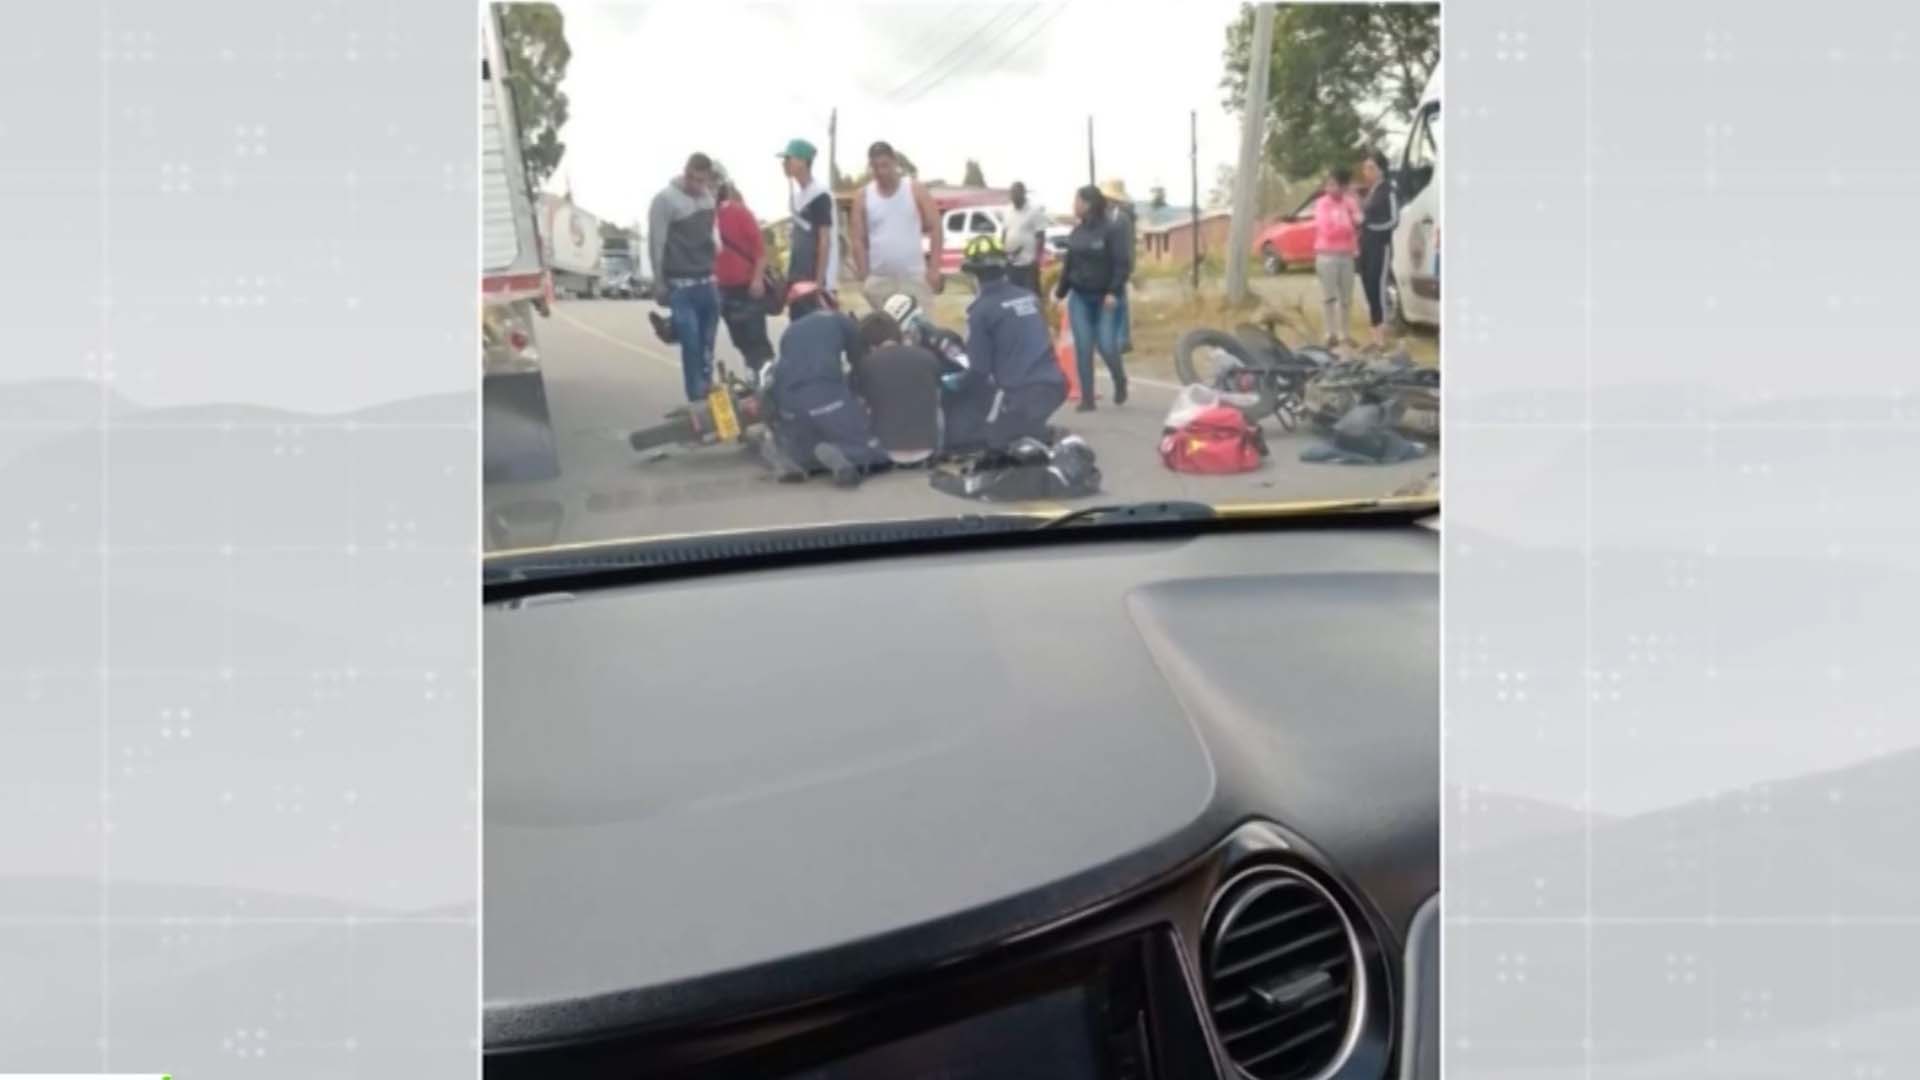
[1287, 241]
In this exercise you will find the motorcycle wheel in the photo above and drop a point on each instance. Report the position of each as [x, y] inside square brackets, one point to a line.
[1261, 340]
[678, 430]
[1287, 410]
[1187, 366]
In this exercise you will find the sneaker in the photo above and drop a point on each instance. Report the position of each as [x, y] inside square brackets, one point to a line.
[1085, 406]
[845, 473]
[784, 471]
[1120, 392]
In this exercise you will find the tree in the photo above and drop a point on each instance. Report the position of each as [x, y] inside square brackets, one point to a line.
[1340, 71]
[974, 177]
[534, 38]
[1274, 194]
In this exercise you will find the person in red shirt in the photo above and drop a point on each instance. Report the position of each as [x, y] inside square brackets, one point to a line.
[739, 269]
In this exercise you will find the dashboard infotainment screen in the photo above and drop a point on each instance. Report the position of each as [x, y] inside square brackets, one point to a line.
[1051, 1037]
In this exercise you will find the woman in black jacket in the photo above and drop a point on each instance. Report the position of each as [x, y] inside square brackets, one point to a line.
[1379, 217]
[1092, 282]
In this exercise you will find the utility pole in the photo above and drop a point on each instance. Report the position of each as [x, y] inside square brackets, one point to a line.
[833, 184]
[1092, 177]
[1193, 145]
[1246, 180]
[833, 148]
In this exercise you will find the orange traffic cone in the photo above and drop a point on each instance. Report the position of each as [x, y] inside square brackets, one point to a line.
[1063, 354]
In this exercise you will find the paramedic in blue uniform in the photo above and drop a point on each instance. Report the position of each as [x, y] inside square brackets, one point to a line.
[1016, 384]
[817, 421]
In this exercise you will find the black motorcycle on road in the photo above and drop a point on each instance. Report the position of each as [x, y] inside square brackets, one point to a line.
[1264, 377]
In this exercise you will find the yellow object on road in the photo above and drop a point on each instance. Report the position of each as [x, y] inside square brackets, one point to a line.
[726, 424]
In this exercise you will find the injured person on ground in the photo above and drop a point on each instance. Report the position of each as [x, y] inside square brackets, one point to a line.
[816, 421]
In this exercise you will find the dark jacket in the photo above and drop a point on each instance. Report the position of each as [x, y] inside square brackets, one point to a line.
[950, 347]
[901, 386]
[1099, 259]
[1380, 216]
[680, 233]
[1007, 338]
[1123, 217]
[816, 353]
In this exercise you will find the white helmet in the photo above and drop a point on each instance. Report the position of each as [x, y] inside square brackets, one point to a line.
[903, 309]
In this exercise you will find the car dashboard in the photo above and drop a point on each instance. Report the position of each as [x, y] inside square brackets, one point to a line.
[1144, 807]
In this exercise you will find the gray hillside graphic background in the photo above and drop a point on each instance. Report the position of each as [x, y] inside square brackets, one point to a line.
[1682, 732]
[1680, 552]
[238, 510]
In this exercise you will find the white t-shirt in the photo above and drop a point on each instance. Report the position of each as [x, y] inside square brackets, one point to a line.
[1022, 224]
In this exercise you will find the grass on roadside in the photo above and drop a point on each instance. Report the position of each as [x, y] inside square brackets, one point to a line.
[1159, 321]
[1162, 315]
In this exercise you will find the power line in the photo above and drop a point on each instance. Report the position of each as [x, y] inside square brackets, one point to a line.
[957, 52]
[926, 42]
[901, 55]
[1039, 28]
[952, 59]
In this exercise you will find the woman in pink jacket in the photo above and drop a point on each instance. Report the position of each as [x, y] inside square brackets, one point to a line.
[1336, 229]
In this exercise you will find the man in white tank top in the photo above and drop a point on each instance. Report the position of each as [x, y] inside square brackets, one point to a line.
[896, 234]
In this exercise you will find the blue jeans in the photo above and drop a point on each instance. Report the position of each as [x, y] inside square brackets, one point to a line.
[841, 421]
[1094, 326]
[1125, 317]
[696, 319]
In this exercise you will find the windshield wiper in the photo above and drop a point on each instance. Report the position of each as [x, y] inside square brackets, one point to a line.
[1134, 513]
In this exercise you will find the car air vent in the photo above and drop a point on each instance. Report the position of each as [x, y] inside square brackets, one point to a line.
[1284, 979]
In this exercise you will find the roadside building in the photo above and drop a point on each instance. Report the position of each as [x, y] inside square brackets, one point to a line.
[1171, 239]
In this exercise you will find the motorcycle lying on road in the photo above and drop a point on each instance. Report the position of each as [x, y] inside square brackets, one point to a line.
[1408, 394]
[1263, 378]
[729, 413]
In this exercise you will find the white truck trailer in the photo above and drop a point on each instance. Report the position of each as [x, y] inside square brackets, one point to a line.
[517, 430]
[572, 238]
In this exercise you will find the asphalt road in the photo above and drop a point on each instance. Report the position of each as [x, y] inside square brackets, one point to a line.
[606, 374]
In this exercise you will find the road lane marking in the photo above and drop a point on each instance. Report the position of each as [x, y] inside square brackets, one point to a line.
[1141, 380]
[622, 342]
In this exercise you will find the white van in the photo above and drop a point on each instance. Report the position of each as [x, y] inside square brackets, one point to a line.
[964, 222]
[1413, 291]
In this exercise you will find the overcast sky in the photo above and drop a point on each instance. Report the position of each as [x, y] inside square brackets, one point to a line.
[1010, 84]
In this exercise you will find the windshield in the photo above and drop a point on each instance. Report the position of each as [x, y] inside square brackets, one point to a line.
[866, 328]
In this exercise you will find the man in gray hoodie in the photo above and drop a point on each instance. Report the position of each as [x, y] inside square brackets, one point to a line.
[680, 233]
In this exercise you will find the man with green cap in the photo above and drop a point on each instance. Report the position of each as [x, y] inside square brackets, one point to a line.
[813, 248]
